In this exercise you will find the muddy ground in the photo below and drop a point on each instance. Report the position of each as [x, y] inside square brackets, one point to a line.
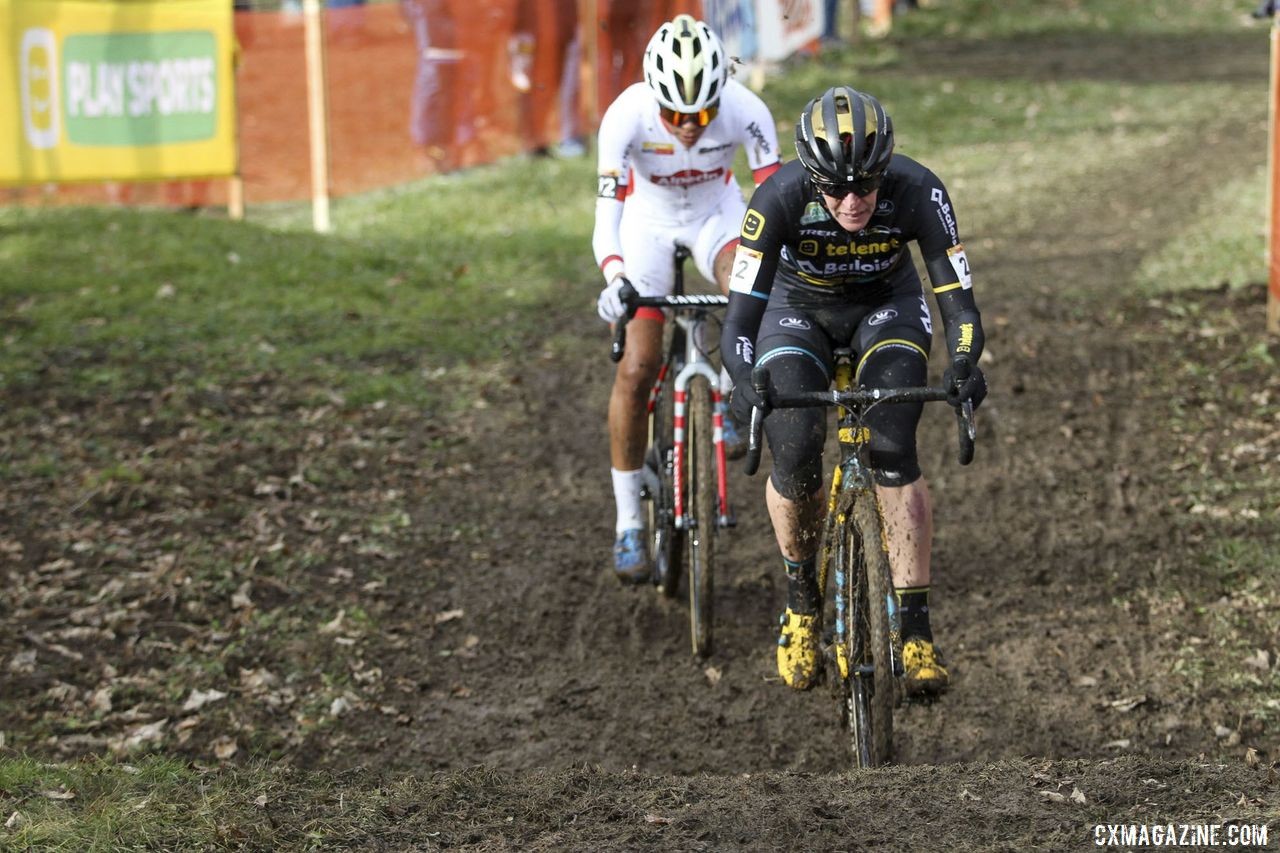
[393, 594]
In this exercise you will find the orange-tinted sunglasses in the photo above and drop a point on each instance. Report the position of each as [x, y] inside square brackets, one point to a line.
[701, 118]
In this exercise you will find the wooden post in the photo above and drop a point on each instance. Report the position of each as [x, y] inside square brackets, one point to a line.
[235, 198]
[316, 113]
[1273, 173]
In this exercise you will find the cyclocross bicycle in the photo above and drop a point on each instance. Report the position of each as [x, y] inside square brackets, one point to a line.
[685, 473]
[864, 652]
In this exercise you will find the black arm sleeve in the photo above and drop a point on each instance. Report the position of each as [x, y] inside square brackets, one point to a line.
[738, 337]
[963, 324]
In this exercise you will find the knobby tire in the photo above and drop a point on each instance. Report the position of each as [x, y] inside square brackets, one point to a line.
[870, 700]
[667, 542]
[702, 502]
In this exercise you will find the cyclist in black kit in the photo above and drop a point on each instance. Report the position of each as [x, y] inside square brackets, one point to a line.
[824, 263]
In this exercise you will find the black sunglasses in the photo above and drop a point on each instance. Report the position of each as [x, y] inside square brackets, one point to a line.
[860, 188]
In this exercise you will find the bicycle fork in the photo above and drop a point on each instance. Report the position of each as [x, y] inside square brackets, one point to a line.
[680, 476]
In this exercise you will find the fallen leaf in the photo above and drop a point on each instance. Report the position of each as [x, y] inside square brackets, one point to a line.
[1086, 681]
[62, 794]
[1122, 743]
[199, 698]
[240, 600]
[1128, 703]
[225, 747]
[965, 795]
[448, 616]
[1251, 757]
[1077, 796]
[653, 818]
[16, 821]
[335, 625]
[1261, 659]
[1053, 796]
[713, 675]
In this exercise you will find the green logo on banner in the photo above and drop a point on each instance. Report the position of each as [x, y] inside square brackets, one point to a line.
[140, 88]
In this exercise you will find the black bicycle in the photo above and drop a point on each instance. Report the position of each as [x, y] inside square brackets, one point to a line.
[685, 472]
[863, 654]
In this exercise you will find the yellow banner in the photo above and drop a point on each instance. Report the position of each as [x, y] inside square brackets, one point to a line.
[116, 90]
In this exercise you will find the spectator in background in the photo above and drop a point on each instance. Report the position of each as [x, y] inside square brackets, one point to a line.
[431, 121]
[545, 52]
[830, 23]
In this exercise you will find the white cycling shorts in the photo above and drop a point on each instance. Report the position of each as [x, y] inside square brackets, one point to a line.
[648, 245]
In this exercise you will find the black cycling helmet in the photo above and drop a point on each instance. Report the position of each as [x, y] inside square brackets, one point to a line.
[845, 139]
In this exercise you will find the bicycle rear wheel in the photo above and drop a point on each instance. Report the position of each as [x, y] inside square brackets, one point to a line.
[702, 501]
[869, 689]
[668, 542]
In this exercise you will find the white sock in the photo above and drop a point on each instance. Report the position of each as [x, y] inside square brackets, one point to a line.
[626, 494]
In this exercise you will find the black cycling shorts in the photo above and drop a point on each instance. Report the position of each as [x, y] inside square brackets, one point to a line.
[890, 342]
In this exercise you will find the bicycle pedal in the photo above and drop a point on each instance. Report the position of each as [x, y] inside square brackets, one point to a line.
[727, 521]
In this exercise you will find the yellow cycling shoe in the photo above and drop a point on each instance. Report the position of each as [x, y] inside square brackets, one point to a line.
[923, 673]
[799, 659]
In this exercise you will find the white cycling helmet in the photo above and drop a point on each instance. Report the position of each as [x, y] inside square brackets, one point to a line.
[685, 65]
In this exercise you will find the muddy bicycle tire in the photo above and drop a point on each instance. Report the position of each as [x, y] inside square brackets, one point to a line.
[701, 535]
[869, 690]
[666, 542]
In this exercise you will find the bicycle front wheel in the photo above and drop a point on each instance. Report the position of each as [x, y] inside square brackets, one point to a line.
[869, 688]
[702, 503]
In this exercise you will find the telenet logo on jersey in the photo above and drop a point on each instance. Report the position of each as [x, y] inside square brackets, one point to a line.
[119, 89]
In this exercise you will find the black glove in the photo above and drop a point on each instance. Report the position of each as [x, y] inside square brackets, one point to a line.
[745, 399]
[964, 382]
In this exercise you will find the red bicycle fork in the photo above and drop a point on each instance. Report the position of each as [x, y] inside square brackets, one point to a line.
[680, 475]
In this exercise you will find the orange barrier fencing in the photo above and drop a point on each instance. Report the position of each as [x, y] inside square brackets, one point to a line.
[414, 87]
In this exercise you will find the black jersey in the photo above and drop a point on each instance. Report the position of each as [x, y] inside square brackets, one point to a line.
[790, 241]
[793, 252]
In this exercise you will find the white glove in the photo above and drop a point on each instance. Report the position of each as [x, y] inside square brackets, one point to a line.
[609, 303]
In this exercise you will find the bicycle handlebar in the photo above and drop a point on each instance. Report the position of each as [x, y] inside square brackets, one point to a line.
[634, 301]
[851, 398]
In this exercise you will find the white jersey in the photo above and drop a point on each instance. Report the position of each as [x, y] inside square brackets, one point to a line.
[645, 166]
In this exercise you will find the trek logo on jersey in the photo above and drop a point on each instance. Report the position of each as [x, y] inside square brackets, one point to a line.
[944, 213]
[688, 178]
[758, 135]
[882, 316]
[794, 323]
[663, 148]
[752, 225]
[814, 212]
